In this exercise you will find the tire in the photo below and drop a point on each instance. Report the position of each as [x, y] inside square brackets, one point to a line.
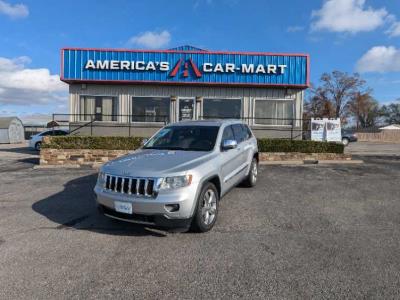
[38, 146]
[207, 205]
[251, 179]
[345, 141]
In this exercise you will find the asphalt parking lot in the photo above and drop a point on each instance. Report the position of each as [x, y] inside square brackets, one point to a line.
[303, 232]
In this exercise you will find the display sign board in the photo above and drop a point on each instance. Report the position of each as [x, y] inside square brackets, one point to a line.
[333, 130]
[317, 130]
[184, 67]
[325, 129]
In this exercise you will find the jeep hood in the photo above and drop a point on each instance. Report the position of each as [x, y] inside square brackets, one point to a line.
[156, 163]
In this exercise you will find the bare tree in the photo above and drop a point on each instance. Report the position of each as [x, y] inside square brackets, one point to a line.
[337, 88]
[318, 105]
[365, 109]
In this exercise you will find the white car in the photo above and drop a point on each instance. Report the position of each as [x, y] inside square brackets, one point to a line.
[36, 140]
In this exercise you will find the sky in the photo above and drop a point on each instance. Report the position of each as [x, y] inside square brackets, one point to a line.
[348, 35]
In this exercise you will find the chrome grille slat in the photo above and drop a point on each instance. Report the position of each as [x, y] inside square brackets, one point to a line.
[143, 187]
[130, 186]
[123, 185]
[146, 183]
[115, 183]
[137, 186]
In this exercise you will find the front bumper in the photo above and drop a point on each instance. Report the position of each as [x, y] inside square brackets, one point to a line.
[151, 211]
[31, 144]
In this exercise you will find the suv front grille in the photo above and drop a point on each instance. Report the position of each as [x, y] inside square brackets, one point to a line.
[130, 186]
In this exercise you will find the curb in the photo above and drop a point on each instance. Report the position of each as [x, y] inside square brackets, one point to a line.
[38, 167]
[310, 163]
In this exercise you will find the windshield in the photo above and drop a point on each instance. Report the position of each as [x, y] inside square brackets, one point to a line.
[187, 138]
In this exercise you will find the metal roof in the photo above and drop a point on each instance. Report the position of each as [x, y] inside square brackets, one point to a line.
[5, 122]
[187, 48]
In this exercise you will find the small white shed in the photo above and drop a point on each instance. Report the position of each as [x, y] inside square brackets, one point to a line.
[11, 130]
[391, 127]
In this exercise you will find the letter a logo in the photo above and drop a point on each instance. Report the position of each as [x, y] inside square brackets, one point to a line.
[186, 65]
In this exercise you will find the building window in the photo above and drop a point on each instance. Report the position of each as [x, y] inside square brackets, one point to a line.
[222, 108]
[273, 112]
[150, 109]
[100, 108]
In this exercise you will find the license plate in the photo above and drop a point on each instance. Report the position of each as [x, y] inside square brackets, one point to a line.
[123, 207]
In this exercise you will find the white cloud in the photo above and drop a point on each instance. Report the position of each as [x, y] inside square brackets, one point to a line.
[20, 85]
[292, 29]
[13, 11]
[151, 39]
[380, 59]
[35, 118]
[350, 16]
[394, 29]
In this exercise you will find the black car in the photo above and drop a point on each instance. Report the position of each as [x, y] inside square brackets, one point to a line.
[348, 137]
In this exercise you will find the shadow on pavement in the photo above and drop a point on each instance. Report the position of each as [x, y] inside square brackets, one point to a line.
[20, 150]
[75, 208]
[30, 160]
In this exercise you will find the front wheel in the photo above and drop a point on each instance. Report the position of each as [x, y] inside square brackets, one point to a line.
[38, 146]
[207, 208]
[345, 141]
[251, 179]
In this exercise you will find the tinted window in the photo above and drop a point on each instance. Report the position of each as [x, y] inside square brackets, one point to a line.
[222, 108]
[239, 133]
[150, 109]
[60, 132]
[247, 132]
[228, 134]
[189, 138]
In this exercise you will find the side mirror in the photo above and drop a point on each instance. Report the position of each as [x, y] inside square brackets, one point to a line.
[228, 144]
[144, 141]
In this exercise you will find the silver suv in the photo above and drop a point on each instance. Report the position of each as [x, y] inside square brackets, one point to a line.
[178, 177]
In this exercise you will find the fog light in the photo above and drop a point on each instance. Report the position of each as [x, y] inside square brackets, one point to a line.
[172, 207]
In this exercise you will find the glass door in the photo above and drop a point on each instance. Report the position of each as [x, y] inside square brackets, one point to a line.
[186, 109]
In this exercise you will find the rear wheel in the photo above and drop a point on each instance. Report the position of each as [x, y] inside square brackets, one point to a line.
[207, 208]
[345, 141]
[251, 179]
[38, 146]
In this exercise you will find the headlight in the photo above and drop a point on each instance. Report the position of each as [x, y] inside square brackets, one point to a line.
[176, 182]
[101, 179]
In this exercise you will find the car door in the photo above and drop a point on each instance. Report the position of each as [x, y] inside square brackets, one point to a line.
[230, 160]
[240, 137]
[248, 144]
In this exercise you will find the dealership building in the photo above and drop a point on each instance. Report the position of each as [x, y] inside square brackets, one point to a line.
[135, 92]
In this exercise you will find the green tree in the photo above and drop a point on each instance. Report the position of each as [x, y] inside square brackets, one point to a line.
[391, 113]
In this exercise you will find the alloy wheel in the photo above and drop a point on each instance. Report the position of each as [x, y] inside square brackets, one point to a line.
[209, 207]
[254, 172]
